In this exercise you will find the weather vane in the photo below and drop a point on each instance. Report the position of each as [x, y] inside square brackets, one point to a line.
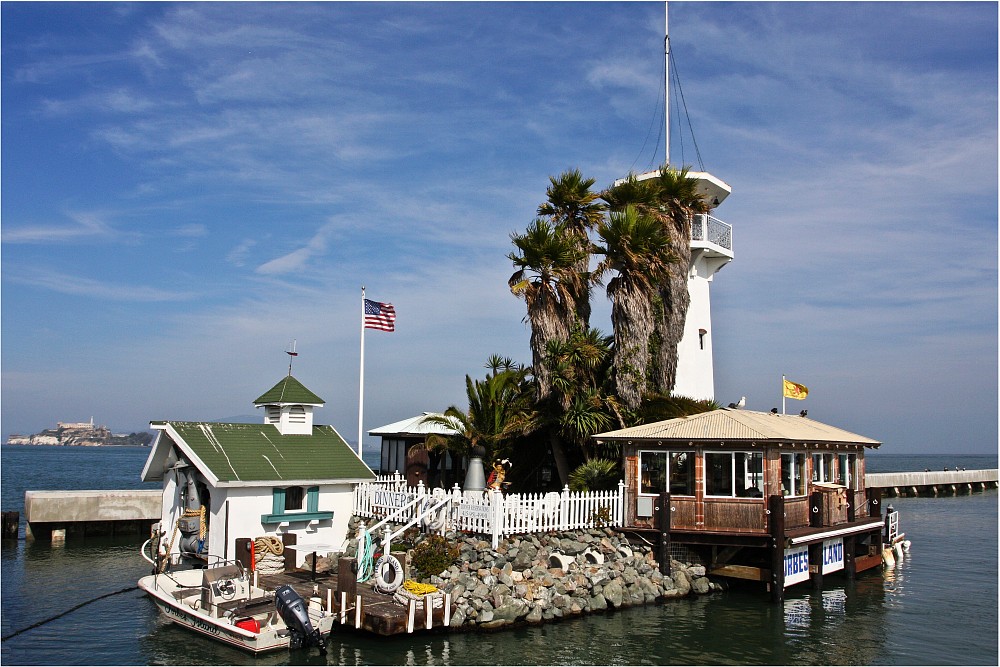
[291, 355]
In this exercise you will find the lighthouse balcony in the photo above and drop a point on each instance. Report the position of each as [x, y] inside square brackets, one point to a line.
[711, 235]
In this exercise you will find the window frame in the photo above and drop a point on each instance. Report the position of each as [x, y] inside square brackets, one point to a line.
[279, 513]
[670, 457]
[803, 476]
[733, 475]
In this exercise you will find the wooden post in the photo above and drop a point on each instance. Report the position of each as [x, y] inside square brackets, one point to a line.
[662, 510]
[850, 569]
[289, 539]
[816, 509]
[10, 522]
[776, 528]
[347, 576]
[816, 565]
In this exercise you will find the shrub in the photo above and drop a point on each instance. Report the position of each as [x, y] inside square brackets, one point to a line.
[595, 475]
[434, 555]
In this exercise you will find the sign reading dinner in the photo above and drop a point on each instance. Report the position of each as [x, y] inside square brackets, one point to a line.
[391, 500]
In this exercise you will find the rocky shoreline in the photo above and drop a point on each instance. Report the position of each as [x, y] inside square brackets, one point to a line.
[545, 577]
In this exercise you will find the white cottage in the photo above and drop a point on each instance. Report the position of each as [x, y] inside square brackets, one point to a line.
[287, 478]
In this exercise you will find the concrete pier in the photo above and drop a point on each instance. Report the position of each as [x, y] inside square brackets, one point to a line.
[932, 483]
[55, 515]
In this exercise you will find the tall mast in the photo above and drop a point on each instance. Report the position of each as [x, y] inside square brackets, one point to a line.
[666, 82]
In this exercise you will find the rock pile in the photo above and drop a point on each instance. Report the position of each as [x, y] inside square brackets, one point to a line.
[541, 577]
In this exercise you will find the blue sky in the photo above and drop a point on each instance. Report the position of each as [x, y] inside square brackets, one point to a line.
[188, 187]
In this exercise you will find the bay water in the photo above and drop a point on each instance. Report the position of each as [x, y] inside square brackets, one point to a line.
[938, 606]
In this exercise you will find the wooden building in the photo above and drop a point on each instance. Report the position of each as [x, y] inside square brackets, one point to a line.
[761, 496]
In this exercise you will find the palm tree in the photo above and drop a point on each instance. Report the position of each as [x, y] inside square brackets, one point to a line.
[679, 200]
[573, 207]
[546, 277]
[501, 409]
[637, 250]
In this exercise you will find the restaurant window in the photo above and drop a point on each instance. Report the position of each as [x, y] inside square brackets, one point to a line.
[671, 472]
[734, 474]
[822, 468]
[793, 474]
[652, 472]
[846, 466]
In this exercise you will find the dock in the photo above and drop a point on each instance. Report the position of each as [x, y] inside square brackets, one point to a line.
[361, 607]
[932, 483]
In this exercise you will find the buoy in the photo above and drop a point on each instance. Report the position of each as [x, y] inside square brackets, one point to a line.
[388, 574]
[906, 545]
[888, 558]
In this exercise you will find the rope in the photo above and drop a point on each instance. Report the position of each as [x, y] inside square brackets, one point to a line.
[268, 557]
[366, 565]
[202, 531]
[72, 609]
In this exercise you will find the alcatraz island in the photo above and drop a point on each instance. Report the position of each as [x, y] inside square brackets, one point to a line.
[81, 434]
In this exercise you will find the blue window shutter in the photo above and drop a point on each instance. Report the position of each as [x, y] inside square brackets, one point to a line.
[312, 499]
[278, 501]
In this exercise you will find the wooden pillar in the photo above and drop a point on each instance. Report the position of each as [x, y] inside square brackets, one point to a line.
[815, 510]
[10, 522]
[289, 539]
[816, 564]
[662, 510]
[244, 545]
[874, 502]
[776, 528]
[850, 569]
[347, 577]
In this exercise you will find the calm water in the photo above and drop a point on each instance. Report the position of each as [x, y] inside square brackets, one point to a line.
[938, 607]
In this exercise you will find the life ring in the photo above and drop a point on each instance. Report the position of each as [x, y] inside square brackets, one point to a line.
[388, 574]
[432, 523]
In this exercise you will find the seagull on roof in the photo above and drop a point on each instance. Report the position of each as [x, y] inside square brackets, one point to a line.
[736, 406]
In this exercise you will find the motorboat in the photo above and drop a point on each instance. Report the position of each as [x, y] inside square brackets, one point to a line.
[223, 603]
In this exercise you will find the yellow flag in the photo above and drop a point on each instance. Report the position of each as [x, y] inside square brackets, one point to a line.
[795, 390]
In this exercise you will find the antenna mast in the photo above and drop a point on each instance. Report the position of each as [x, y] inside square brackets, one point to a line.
[666, 82]
[291, 355]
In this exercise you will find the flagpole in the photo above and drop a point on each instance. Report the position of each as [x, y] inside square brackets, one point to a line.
[782, 394]
[361, 384]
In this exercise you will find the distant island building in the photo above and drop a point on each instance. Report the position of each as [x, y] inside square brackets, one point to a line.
[81, 434]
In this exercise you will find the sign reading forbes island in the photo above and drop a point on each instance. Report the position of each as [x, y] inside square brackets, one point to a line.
[796, 565]
[833, 555]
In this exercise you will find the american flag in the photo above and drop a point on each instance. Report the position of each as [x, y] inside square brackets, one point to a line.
[381, 316]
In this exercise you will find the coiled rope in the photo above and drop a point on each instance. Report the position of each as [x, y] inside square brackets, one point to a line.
[72, 609]
[366, 561]
[268, 558]
[202, 531]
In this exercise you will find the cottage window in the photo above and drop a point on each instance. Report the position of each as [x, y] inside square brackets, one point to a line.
[666, 471]
[734, 474]
[286, 505]
[793, 474]
[293, 498]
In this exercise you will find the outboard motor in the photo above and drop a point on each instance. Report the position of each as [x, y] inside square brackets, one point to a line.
[292, 609]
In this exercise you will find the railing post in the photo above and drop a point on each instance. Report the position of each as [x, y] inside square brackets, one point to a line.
[564, 509]
[620, 505]
[496, 507]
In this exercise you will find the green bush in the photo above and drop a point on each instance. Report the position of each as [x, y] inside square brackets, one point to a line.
[595, 475]
[434, 555]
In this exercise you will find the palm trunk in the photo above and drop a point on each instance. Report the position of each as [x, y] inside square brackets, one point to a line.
[675, 300]
[631, 318]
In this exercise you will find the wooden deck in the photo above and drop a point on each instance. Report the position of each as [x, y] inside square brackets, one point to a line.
[380, 614]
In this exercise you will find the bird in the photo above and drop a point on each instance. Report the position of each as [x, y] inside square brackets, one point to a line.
[803, 413]
[742, 402]
[774, 411]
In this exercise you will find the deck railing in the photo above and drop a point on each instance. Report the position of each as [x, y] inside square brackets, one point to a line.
[491, 513]
[705, 227]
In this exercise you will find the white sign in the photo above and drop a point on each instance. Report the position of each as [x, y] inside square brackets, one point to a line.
[474, 512]
[796, 565]
[392, 499]
[833, 555]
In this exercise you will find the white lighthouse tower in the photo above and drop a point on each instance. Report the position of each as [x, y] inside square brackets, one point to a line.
[711, 249]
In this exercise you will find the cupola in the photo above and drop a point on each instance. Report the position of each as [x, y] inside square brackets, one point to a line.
[289, 406]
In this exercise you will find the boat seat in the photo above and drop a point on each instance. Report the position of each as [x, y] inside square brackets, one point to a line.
[184, 592]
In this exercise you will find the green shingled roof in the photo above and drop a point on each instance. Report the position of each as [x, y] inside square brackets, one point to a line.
[258, 452]
[289, 390]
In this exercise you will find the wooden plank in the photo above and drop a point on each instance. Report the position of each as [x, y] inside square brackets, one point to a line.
[742, 572]
[862, 563]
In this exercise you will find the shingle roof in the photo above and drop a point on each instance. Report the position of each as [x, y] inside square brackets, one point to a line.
[258, 452]
[289, 390]
[728, 424]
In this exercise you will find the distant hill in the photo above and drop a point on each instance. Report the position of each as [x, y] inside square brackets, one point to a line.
[82, 434]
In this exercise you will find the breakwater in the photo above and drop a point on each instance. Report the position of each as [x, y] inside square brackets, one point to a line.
[545, 577]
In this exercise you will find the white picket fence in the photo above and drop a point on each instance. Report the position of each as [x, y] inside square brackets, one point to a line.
[490, 513]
